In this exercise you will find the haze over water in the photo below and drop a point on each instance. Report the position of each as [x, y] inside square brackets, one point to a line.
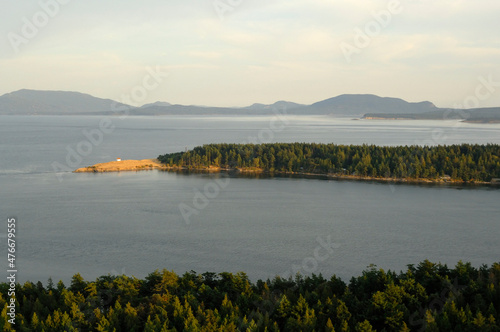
[130, 223]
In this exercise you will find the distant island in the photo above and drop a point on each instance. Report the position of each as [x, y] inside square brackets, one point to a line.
[464, 163]
[365, 106]
[475, 115]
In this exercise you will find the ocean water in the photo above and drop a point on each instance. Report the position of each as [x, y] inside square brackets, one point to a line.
[132, 222]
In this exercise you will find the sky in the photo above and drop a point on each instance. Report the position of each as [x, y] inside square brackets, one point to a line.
[239, 52]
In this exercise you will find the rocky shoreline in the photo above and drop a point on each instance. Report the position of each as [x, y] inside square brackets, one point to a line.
[155, 164]
[123, 165]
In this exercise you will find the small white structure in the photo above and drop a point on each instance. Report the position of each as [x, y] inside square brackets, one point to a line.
[118, 159]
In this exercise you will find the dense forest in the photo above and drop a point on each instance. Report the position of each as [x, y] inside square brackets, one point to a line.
[426, 297]
[466, 162]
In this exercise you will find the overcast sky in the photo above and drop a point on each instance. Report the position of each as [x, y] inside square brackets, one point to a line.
[254, 50]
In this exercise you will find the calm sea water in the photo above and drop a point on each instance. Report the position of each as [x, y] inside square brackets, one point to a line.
[130, 223]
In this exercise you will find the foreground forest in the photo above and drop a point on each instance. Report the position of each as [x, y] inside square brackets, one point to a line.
[463, 163]
[426, 297]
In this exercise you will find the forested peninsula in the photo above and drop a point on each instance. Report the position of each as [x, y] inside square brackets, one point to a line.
[426, 297]
[466, 163]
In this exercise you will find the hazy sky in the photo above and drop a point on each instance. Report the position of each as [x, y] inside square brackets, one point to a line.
[237, 52]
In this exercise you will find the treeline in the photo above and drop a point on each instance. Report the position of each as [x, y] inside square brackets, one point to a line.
[464, 162]
[486, 115]
[427, 297]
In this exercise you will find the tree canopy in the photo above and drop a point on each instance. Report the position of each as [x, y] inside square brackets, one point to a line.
[464, 163]
[425, 297]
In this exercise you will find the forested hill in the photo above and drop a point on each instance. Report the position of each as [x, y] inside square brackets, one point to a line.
[465, 163]
[427, 297]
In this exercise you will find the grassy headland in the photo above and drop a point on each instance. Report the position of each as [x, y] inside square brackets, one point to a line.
[123, 165]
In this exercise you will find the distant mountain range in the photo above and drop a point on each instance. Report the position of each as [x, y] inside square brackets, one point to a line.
[53, 103]
[277, 105]
[35, 102]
